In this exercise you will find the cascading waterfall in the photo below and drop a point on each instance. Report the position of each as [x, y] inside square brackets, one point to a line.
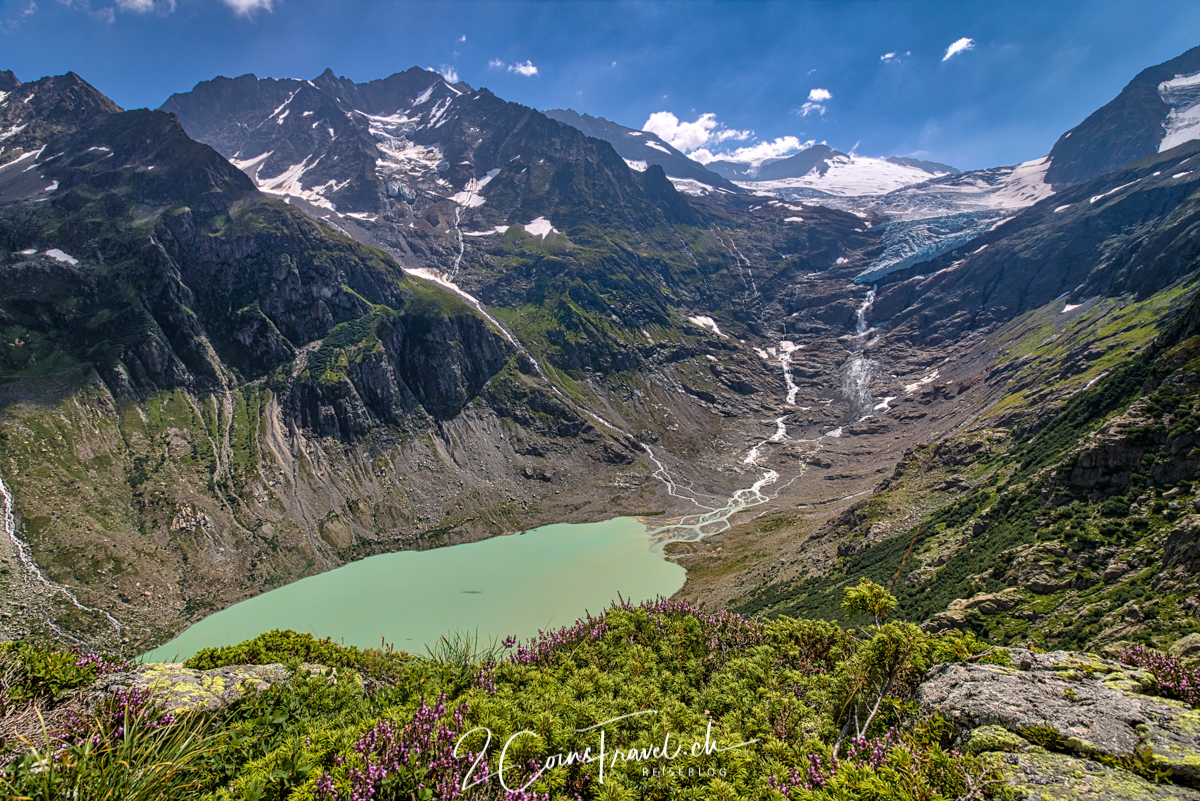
[786, 349]
[857, 382]
[26, 560]
[860, 325]
[461, 245]
[751, 292]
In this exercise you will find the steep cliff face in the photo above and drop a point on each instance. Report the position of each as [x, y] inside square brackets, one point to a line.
[206, 392]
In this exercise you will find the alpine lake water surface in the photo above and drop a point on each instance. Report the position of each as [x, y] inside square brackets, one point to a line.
[544, 578]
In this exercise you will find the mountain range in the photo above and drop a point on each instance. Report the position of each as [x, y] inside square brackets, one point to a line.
[281, 324]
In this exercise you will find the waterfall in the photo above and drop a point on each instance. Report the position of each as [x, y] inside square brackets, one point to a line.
[786, 349]
[26, 560]
[857, 382]
[860, 324]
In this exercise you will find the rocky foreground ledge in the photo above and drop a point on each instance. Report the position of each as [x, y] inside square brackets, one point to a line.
[180, 689]
[1065, 725]
[1059, 726]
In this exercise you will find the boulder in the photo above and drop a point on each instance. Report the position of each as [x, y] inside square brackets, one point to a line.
[1040, 775]
[181, 689]
[1079, 706]
[1186, 650]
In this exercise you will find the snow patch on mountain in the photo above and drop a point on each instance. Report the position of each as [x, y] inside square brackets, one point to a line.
[705, 321]
[13, 131]
[424, 96]
[540, 227]
[1182, 94]
[499, 229]
[59, 255]
[289, 183]
[692, 187]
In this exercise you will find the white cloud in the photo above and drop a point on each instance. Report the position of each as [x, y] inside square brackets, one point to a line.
[247, 8]
[449, 73]
[754, 154]
[888, 57]
[960, 46]
[815, 103]
[30, 9]
[146, 6]
[527, 68]
[688, 136]
[698, 138]
[462, 37]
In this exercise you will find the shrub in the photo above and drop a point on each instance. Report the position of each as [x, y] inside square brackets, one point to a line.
[28, 672]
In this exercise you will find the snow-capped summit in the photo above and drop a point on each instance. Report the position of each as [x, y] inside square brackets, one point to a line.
[845, 175]
[825, 171]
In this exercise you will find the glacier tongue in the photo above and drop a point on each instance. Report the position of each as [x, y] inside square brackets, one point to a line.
[923, 220]
[909, 242]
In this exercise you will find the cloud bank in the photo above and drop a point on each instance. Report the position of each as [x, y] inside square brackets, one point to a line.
[688, 136]
[698, 138]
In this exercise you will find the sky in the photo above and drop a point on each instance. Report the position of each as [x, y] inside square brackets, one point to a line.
[971, 84]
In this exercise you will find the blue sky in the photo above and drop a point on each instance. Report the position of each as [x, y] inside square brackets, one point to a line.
[1023, 72]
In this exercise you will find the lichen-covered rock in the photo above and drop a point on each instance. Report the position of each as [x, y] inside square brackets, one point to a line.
[1092, 717]
[994, 738]
[1078, 704]
[1040, 775]
[181, 689]
[1186, 650]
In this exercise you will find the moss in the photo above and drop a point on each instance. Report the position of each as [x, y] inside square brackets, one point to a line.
[1036, 773]
[994, 738]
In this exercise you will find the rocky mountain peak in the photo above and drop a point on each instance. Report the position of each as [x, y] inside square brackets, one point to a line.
[45, 109]
[641, 148]
[1135, 124]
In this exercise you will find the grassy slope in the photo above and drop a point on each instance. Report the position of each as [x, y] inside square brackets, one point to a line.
[993, 507]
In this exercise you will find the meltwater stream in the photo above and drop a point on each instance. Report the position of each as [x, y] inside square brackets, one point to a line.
[26, 559]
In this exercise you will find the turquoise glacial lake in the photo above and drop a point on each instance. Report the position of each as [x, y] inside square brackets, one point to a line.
[510, 585]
